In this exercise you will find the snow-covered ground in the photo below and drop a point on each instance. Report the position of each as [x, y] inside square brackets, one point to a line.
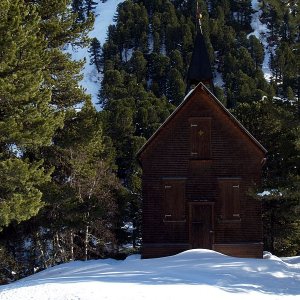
[104, 14]
[194, 274]
[261, 31]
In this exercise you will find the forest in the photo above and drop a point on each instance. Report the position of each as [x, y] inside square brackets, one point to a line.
[70, 184]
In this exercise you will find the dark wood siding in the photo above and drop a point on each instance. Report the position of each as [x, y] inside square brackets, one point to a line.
[232, 155]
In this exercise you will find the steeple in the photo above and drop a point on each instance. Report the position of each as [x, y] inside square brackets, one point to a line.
[200, 68]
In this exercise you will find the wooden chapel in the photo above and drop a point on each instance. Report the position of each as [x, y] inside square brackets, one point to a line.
[198, 168]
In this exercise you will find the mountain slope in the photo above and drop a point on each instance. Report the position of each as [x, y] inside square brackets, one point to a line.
[104, 14]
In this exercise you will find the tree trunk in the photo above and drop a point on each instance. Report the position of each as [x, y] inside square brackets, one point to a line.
[41, 250]
[86, 242]
[72, 244]
[61, 250]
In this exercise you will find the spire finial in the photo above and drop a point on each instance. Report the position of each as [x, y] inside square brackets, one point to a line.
[199, 16]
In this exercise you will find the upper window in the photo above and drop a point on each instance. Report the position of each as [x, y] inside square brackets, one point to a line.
[200, 138]
[174, 200]
[230, 198]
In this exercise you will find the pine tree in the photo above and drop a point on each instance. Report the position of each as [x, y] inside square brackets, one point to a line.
[80, 201]
[95, 52]
[175, 87]
[27, 118]
[39, 87]
[90, 6]
[256, 50]
[159, 67]
[90, 176]
[176, 61]
[138, 66]
[77, 6]
[275, 124]
[241, 13]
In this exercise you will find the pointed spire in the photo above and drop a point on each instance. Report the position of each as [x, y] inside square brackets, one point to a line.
[200, 68]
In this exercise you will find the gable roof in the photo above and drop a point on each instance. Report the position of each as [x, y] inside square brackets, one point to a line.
[218, 102]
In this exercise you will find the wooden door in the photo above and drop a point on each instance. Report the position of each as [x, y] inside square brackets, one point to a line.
[201, 225]
[200, 138]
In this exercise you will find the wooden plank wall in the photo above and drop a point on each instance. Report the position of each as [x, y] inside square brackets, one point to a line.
[233, 155]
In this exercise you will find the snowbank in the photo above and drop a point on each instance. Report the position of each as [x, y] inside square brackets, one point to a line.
[194, 274]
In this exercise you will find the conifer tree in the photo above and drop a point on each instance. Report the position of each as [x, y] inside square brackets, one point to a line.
[27, 118]
[138, 66]
[95, 52]
[276, 125]
[80, 201]
[39, 87]
[77, 6]
[90, 176]
[256, 50]
[175, 87]
[90, 5]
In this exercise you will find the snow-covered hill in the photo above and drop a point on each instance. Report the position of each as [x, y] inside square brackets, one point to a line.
[104, 14]
[194, 274]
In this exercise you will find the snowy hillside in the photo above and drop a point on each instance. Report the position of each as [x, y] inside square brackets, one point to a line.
[194, 274]
[261, 32]
[104, 14]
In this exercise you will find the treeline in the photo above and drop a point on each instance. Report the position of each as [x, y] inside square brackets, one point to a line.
[58, 186]
[70, 183]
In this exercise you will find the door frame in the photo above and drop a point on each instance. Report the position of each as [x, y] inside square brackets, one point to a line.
[202, 203]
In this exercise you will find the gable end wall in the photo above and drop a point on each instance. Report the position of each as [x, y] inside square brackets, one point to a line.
[233, 155]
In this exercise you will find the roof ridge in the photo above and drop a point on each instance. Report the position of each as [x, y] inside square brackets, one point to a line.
[218, 102]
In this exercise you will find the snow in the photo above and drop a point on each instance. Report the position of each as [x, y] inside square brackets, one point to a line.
[128, 227]
[269, 192]
[194, 274]
[127, 54]
[104, 14]
[218, 79]
[261, 31]
[188, 94]
[264, 193]
[150, 41]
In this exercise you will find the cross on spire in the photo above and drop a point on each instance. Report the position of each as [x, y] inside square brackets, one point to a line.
[199, 16]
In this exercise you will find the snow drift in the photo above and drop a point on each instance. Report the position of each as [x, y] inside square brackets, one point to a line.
[193, 274]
